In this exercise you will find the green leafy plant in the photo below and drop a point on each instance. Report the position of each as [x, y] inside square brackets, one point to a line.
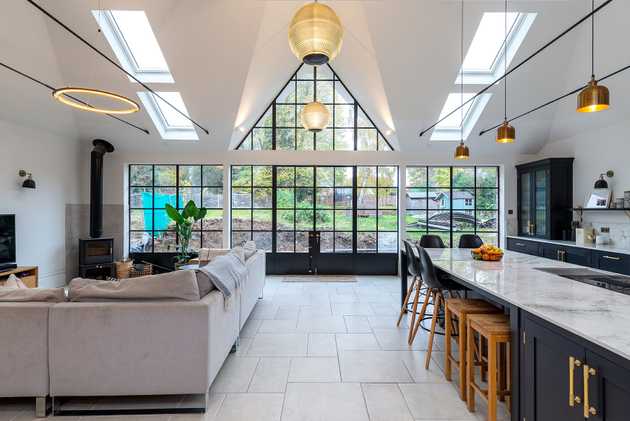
[184, 222]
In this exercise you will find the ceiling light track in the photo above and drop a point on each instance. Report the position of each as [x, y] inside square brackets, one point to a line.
[519, 65]
[546, 104]
[53, 89]
[102, 54]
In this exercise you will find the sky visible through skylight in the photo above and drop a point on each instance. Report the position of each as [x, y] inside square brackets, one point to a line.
[140, 39]
[172, 118]
[487, 45]
[454, 121]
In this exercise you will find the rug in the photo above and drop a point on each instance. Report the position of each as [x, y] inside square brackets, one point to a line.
[320, 278]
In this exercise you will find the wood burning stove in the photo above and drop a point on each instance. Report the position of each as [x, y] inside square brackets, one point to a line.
[96, 258]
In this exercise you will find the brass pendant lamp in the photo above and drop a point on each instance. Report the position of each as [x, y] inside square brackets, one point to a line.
[505, 133]
[315, 116]
[593, 98]
[315, 34]
[462, 152]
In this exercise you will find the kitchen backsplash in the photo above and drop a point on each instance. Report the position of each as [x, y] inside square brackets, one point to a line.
[619, 228]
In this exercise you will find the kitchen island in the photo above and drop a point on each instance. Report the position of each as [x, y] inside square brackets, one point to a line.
[556, 322]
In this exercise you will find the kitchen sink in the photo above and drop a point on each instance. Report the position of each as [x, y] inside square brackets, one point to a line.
[617, 283]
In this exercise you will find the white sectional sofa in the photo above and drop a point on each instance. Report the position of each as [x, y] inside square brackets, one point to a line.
[118, 348]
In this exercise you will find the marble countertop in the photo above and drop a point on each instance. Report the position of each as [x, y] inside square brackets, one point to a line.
[596, 314]
[606, 249]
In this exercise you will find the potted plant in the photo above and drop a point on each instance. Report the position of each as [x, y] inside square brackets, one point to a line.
[184, 222]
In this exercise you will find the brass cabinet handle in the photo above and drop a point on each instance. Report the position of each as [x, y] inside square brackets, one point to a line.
[520, 244]
[573, 362]
[588, 409]
[612, 258]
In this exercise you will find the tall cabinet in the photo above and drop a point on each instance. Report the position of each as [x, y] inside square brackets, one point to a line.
[545, 198]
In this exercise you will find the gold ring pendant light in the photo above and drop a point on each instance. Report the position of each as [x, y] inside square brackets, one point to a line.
[593, 98]
[63, 95]
[462, 152]
[505, 133]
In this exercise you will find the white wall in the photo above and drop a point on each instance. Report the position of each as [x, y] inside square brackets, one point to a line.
[595, 152]
[40, 214]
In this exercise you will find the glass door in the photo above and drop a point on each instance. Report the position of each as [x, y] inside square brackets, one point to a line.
[541, 179]
[525, 216]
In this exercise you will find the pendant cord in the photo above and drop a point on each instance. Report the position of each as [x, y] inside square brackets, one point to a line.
[505, 59]
[593, 39]
[461, 70]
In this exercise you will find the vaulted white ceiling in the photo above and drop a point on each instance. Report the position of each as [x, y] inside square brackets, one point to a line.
[229, 58]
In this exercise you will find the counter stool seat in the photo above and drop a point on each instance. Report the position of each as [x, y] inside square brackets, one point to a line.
[496, 330]
[456, 316]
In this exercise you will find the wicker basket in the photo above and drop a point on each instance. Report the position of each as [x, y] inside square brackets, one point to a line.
[143, 269]
[123, 269]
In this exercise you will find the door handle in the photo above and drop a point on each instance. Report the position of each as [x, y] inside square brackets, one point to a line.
[588, 373]
[573, 362]
[520, 244]
[612, 258]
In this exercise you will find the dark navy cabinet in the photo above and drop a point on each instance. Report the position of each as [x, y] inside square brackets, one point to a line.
[613, 262]
[575, 255]
[523, 246]
[565, 377]
[545, 198]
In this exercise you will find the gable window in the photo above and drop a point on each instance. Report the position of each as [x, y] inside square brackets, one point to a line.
[280, 127]
[466, 119]
[486, 58]
[170, 123]
[130, 35]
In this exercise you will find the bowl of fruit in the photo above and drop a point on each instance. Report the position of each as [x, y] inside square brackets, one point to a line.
[488, 253]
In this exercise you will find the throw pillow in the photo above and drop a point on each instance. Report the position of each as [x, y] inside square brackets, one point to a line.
[250, 249]
[13, 282]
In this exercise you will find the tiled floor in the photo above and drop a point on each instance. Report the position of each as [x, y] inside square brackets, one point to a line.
[322, 351]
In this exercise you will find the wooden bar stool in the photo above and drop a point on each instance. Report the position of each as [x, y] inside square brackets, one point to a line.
[456, 315]
[496, 330]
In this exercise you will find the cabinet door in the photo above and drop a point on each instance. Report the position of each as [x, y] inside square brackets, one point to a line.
[523, 246]
[613, 262]
[608, 389]
[577, 256]
[551, 251]
[548, 379]
[525, 203]
[541, 202]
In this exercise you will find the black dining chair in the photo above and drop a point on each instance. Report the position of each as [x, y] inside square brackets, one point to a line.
[437, 287]
[429, 241]
[470, 241]
[413, 269]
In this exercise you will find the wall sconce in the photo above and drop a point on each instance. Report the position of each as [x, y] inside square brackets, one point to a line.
[29, 183]
[601, 182]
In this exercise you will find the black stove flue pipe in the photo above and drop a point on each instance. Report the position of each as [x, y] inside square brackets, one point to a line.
[101, 147]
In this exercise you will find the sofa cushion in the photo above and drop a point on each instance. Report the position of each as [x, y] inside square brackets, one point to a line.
[50, 295]
[204, 283]
[249, 248]
[178, 285]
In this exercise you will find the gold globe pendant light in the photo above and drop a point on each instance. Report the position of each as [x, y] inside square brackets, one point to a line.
[505, 133]
[593, 98]
[315, 116]
[462, 152]
[315, 34]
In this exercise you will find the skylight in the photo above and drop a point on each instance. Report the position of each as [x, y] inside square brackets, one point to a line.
[485, 60]
[449, 129]
[171, 124]
[130, 35]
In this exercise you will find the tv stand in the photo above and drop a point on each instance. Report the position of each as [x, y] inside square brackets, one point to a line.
[28, 275]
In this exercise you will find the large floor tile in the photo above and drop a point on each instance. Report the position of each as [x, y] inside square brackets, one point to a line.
[372, 366]
[251, 406]
[352, 309]
[357, 341]
[324, 402]
[385, 402]
[270, 375]
[279, 345]
[314, 370]
[278, 326]
[432, 401]
[251, 328]
[322, 345]
[333, 324]
[396, 339]
[357, 324]
[235, 375]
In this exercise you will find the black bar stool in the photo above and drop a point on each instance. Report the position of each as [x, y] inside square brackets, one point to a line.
[437, 287]
[413, 269]
[470, 241]
[429, 241]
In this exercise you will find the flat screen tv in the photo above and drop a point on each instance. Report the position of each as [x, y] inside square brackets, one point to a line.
[7, 241]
